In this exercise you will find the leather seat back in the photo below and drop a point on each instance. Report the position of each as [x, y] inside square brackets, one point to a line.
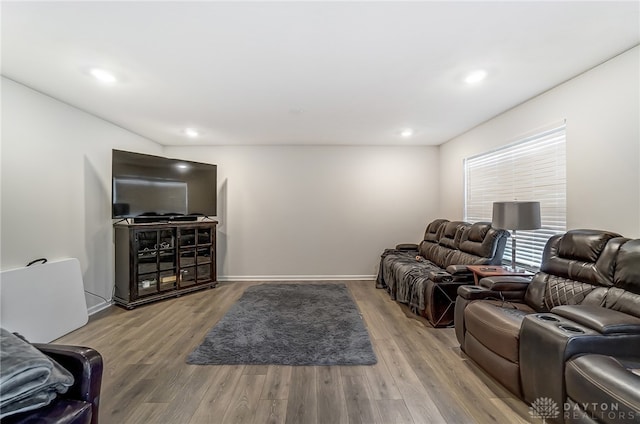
[461, 243]
[576, 267]
[434, 230]
[447, 244]
[432, 235]
[625, 295]
[480, 244]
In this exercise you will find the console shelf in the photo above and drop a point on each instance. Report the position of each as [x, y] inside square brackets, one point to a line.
[160, 260]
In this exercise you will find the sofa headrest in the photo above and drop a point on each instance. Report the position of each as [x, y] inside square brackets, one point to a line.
[626, 274]
[584, 245]
[434, 230]
[482, 240]
[586, 256]
[478, 231]
[452, 234]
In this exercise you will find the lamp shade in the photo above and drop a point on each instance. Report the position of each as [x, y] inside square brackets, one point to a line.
[516, 215]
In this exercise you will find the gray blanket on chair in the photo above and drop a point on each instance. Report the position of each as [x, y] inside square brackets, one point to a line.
[28, 378]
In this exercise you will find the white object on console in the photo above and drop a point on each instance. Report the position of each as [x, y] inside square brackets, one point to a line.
[43, 302]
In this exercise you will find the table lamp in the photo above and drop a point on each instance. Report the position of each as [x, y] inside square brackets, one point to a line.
[516, 216]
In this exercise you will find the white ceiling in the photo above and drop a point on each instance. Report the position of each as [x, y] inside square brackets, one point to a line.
[307, 72]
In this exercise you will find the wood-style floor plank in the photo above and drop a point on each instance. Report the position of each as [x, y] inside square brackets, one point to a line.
[271, 411]
[218, 396]
[245, 399]
[302, 405]
[394, 411]
[360, 406]
[421, 375]
[382, 384]
[276, 385]
[332, 406]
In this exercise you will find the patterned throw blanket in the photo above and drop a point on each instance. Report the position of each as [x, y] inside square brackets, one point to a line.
[28, 378]
[404, 277]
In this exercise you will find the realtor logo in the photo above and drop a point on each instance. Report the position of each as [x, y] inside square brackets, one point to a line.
[544, 408]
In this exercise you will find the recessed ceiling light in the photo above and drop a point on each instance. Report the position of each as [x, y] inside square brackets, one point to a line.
[475, 76]
[191, 132]
[408, 132]
[182, 166]
[103, 76]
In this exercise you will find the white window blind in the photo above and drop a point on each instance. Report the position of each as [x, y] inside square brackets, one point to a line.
[532, 169]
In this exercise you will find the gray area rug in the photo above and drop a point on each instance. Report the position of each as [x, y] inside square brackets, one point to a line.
[289, 324]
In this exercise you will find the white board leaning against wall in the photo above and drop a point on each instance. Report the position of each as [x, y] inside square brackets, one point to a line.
[43, 302]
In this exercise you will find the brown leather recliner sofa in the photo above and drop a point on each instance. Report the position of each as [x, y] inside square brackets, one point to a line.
[584, 300]
[429, 283]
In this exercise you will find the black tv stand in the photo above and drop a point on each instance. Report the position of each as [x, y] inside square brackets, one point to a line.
[161, 260]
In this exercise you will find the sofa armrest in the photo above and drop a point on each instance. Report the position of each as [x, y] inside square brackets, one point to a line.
[86, 366]
[458, 269]
[480, 293]
[460, 273]
[440, 277]
[474, 292]
[407, 246]
[557, 339]
[602, 320]
[508, 283]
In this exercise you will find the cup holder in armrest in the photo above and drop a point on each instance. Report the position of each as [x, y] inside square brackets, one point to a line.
[547, 318]
[571, 329]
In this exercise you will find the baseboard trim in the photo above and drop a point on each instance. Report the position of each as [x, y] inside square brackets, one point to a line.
[296, 277]
[99, 307]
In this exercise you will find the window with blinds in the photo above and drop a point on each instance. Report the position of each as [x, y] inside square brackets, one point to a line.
[532, 169]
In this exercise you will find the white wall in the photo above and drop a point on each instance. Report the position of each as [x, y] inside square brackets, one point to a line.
[310, 211]
[56, 184]
[317, 212]
[286, 212]
[602, 109]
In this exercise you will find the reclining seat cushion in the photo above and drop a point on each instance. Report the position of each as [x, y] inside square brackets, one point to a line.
[496, 325]
[596, 380]
[492, 340]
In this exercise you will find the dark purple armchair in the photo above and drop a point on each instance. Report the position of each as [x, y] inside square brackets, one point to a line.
[79, 405]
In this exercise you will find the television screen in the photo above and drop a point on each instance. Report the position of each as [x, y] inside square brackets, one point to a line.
[154, 186]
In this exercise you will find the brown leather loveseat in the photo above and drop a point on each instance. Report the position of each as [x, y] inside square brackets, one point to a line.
[584, 300]
[426, 276]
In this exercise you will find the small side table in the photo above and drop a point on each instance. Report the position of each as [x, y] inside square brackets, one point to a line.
[481, 271]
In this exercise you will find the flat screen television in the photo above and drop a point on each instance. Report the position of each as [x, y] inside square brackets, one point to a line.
[154, 188]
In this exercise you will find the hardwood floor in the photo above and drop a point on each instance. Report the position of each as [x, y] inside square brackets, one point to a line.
[421, 375]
